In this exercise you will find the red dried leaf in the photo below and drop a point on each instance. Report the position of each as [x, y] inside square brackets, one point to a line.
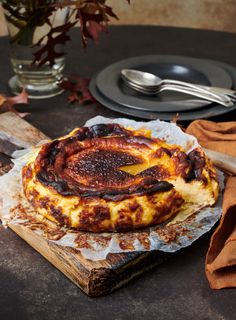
[73, 97]
[94, 29]
[109, 11]
[48, 52]
[93, 20]
[78, 88]
[21, 98]
[7, 103]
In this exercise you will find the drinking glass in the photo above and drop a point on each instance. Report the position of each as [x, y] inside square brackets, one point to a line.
[39, 81]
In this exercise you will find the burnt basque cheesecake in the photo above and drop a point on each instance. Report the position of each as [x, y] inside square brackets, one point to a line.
[110, 178]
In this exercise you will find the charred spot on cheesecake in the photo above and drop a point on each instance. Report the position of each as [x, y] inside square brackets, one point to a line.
[86, 220]
[93, 220]
[139, 212]
[101, 165]
[104, 130]
[27, 172]
[189, 167]
[133, 206]
[159, 171]
[44, 202]
[165, 211]
[173, 202]
[172, 197]
[57, 213]
[138, 190]
[155, 186]
[124, 221]
[99, 130]
[183, 164]
[198, 163]
[53, 152]
[162, 151]
[101, 213]
[33, 193]
[58, 184]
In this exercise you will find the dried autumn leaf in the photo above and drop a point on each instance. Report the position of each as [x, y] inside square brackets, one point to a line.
[53, 38]
[7, 103]
[93, 20]
[94, 29]
[78, 88]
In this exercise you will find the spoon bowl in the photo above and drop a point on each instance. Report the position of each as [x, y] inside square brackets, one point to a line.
[141, 78]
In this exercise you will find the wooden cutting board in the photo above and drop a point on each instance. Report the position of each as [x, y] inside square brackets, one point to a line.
[95, 278]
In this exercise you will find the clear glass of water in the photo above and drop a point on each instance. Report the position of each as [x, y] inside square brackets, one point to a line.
[39, 82]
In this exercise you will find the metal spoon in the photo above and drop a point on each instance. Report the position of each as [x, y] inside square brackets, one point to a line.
[150, 82]
[226, 102]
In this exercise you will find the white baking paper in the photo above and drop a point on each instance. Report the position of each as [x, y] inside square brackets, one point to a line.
[167, 237]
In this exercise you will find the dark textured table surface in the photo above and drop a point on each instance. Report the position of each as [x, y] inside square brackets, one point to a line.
[30, 287]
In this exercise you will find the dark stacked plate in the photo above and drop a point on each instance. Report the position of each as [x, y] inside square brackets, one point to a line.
[109, 89]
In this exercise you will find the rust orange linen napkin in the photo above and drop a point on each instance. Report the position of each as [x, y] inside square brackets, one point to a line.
[221, 255]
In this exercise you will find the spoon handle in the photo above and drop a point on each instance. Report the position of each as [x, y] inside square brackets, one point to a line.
[212, 91]
[221, 91]
[196, 93]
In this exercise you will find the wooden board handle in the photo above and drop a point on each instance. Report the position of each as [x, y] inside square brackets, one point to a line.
[222, 160]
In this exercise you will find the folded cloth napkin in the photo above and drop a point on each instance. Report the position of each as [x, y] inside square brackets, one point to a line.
[221, 255]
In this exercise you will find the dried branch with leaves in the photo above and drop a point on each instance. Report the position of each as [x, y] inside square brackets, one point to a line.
[92, 16]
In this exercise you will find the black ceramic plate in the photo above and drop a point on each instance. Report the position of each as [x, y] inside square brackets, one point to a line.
[111, 86]
[210, 111]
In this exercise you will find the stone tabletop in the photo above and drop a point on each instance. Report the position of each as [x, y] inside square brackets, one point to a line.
[30, 287]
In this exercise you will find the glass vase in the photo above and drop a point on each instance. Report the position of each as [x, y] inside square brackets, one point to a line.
[39, 81]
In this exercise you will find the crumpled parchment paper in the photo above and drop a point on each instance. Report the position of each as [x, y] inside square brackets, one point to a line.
[170, 236]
